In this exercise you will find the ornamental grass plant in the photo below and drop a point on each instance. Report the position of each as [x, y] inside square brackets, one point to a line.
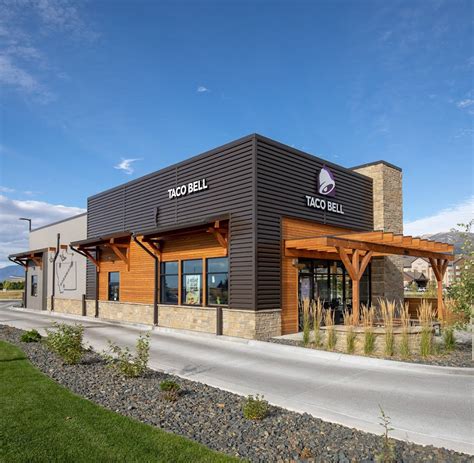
[388, 313]
[330, 329]
[317, 320]
[306, 322]
[368, 325]
[426, 317]
[405, 343]
[350, 334]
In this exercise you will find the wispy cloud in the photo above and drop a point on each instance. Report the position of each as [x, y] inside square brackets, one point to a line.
[5, 189]
[468, 102]
[202, 89]
[126, 165]
[24, 68]
[14, 233]
[443, 220]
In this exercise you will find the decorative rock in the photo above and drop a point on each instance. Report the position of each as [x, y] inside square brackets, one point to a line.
[281, 436]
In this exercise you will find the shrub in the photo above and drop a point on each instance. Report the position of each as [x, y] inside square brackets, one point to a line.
[170, 390]
[66, 341]
[126, 363]
[405, 343]
[425, 316]
[317, 319]
[368, 323]
[330, 331]
[350, 335]
[388, 311]
[255, 408]
[449, 322]
[30, 336]
[306, 322]
[448, 338]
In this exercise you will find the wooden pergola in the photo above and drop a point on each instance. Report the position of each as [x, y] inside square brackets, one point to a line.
[356, 249]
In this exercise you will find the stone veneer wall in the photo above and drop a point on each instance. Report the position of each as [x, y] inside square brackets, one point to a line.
[238, 323]
[387, 272]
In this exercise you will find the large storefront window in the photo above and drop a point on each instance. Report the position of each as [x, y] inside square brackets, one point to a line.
[329, 282]
[218, 281]
[114, 286]
[191, 293]
[169, 282]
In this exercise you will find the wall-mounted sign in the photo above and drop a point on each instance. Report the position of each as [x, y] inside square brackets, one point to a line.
[187, 188]
[326, 187]
[326, 182]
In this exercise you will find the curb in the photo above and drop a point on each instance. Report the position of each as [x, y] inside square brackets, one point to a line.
[274, 348]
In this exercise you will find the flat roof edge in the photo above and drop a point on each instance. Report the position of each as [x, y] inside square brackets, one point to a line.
[368, 164]
[59, 221]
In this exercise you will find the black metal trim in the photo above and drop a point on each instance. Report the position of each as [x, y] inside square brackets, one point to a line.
[53, 292]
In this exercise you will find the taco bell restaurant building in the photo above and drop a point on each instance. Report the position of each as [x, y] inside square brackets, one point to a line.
[232, 240]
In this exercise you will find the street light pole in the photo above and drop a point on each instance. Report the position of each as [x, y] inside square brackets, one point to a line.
[28, 220]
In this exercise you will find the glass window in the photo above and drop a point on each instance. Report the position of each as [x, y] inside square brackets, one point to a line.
[169, 282]
[114, 286]
[34, 285]
[191, 289]
[218, 281]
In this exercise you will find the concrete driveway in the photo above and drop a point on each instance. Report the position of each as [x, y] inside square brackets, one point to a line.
[427, 405]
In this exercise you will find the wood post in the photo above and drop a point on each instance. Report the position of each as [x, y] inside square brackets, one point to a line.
[355, 268]
[439, 267]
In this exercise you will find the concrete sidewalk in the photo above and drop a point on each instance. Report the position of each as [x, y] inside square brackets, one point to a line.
[427, 404]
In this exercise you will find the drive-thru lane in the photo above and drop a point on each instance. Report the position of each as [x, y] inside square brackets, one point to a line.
[428, 405]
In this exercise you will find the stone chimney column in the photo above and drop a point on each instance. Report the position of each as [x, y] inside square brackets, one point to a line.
[387, 272]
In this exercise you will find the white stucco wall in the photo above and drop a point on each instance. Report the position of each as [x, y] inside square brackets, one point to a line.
[70, 279]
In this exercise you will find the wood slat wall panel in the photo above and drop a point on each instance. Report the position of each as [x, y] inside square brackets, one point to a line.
[229, 173]
[284, 177]
[294, 229]
[137, 284]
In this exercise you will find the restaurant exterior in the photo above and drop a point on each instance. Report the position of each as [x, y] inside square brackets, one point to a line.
[230, 241]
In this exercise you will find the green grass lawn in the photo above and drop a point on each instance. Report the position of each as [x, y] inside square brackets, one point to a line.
[41, 421]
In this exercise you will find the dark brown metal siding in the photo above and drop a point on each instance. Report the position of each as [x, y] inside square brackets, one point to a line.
[229, 173]
[284, 177]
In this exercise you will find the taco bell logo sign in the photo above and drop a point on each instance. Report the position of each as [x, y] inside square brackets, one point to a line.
[326, 182]
[326, 187]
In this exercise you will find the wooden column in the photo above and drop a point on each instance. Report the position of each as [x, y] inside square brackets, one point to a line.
[439, 267]
[355, 268]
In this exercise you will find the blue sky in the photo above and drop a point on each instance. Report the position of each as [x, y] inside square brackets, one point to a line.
[86, 85]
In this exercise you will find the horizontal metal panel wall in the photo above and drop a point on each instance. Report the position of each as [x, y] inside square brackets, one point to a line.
[229, 174]
[284, 177]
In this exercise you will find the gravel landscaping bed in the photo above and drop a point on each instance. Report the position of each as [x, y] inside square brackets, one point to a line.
[214, 417]
[459, 357]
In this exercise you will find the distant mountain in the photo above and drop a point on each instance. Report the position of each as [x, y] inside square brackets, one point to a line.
[452, 237]
[11, 271]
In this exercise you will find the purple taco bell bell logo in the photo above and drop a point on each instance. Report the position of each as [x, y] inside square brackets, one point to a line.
[326, 182]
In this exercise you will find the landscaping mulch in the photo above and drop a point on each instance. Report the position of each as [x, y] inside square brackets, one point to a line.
[461, 356]
[214, 417]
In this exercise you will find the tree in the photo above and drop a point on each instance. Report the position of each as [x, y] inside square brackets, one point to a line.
[462, 290]
[413, 287]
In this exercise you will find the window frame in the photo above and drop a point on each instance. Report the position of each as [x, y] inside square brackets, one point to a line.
[183, 274]
[34, 286]
[108, 286]
[163, 275]
[209, 274]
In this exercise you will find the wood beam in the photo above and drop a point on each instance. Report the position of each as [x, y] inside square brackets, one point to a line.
[316, 243]
[156, 248]
[347, 263]
[91, 258]
[364, 263]
[221, 239]
[119, 254]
